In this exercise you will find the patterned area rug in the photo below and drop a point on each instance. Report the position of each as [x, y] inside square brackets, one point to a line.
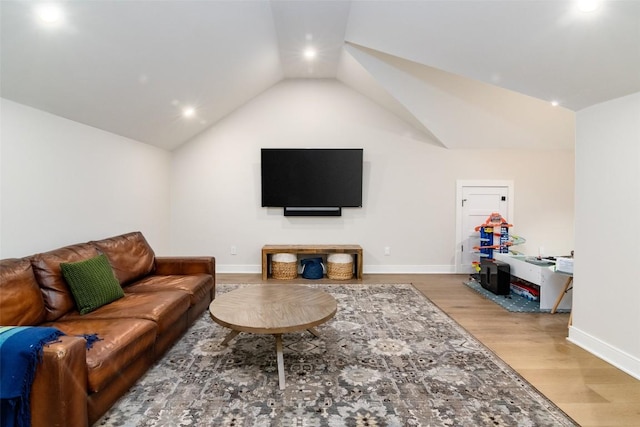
[388, 358]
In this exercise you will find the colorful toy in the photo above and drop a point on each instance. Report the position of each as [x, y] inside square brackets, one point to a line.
[487, 233]
[526, 291]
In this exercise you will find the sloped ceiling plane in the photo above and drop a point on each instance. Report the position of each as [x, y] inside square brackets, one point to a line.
[134, 68]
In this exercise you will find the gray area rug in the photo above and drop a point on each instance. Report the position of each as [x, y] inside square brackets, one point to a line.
[389, 357]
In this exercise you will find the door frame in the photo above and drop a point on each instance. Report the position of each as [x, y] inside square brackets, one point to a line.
[460, 184]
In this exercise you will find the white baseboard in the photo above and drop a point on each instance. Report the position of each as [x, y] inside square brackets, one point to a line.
[238, 268]
[367, 269]
[409, 269]
[618, 358]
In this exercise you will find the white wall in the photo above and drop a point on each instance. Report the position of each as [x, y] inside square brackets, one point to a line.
[409, 184]
[63, 182]
[606, 299]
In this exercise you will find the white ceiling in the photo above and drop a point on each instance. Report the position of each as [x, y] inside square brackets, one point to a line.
[130, 67]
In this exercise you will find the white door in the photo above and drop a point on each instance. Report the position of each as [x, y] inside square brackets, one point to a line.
[476, 203]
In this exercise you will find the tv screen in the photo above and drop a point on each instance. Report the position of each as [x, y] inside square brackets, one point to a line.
[311, 177]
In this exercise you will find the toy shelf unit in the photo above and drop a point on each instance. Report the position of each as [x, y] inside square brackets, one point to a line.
[494, 237]
[495, 275]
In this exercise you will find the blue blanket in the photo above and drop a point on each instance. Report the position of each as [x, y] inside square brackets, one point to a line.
[20, 352]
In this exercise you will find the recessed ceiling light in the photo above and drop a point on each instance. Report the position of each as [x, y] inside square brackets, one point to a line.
[49, 13]
[555, 103]
[188, 112]
[588, 5]
[310, 53]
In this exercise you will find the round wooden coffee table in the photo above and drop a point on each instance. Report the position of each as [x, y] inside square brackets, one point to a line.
[272, 309]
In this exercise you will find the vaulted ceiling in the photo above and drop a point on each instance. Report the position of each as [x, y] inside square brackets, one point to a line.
[451, 68]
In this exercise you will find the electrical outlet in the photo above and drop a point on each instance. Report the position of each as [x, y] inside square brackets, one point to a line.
[387, 250]
[234, 250]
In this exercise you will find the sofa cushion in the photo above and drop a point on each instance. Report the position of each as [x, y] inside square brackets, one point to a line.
[121, 342]
[198, 286]
[129, 254]
[92, 283]
[164, 308]
[21, 302]
[55, 291]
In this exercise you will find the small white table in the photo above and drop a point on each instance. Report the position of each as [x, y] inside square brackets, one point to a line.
[553, 284]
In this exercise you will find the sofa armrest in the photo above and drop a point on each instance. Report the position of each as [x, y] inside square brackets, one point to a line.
[185, 265]
[59, 391]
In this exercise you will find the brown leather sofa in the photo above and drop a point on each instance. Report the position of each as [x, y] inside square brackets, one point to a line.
[74, 386]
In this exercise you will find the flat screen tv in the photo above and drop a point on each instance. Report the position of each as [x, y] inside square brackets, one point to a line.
[311, 179]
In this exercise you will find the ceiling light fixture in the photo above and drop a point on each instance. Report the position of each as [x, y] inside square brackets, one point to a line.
[588, 5]
[189, 112]
[49, 13]
[555, 103]
[310, 53]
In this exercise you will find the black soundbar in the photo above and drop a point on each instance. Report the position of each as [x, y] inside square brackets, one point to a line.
[312, 211]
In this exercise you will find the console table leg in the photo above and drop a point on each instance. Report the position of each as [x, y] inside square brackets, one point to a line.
[562, 294]
[280, 360]
[571, 318]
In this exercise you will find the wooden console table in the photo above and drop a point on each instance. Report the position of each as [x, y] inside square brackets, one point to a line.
[269, 250]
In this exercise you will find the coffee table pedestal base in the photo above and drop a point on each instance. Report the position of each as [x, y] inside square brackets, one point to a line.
[280, 358]
[279, 355]
[272, 309]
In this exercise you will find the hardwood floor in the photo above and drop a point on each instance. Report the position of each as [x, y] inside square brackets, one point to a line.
[588, 389]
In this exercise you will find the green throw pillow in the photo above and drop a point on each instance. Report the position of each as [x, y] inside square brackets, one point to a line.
[92, 283]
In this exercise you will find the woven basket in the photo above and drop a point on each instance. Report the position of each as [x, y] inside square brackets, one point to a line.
[340, 266]
[284, 266]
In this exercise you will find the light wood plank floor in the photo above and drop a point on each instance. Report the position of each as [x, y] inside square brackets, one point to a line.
[588, 389]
